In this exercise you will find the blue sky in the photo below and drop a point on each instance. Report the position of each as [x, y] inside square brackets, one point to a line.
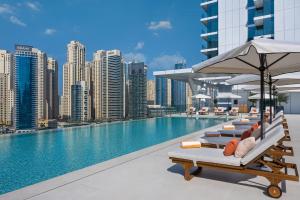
[159, 32]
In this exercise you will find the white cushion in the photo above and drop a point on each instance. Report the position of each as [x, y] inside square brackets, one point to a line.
[215, 140]
[209, 155]
[270, 139]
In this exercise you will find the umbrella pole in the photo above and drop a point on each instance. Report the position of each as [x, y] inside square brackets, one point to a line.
[262, 58]
[275, 103]
[270, 91]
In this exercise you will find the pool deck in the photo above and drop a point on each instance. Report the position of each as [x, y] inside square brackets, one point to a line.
[149, 174]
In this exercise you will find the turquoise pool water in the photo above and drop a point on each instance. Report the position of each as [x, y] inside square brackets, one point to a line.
[31, 158]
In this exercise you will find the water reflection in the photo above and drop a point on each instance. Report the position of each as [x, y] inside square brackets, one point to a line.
[27, 159]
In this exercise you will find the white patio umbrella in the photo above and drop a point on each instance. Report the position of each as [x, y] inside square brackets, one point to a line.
[261, 57]
[227, 95]
[281, 80]
[201, 97]
[257, 97]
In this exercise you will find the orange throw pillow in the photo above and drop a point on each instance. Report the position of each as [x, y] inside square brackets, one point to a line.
[230, 147]
[254, 127]
[246, 134]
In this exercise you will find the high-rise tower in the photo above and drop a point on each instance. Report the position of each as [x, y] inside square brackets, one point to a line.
[26, 88]
[109, 85]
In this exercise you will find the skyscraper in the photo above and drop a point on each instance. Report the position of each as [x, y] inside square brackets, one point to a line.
[26, 88]
[137, 95]
[73, 71]
[6, 87]
[41, 82]
[109, 85]
[178, 88]
[162, 91]
[227, 24]
[52, 89]
[150, 92]
[80, 100]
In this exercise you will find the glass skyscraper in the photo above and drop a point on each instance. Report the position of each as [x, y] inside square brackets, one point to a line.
[178, 91]
[226, 24]
[137, 77]
[26, 94]
[161, 91]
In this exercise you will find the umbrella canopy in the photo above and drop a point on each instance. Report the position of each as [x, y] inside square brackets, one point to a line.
[227, 95]
[278, 57]
[251, 79]
[261, 56]
[257, 97]
[201, 96]
[289, 91]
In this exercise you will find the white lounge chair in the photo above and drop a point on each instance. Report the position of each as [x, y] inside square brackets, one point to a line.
[275, 169]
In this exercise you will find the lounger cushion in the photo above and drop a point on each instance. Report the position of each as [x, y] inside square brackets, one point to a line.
[215, 140]
[244, 147]
[212, 134]
[233, 132]
[244, 123]
[210, 155]
[230, 147]
[273, 136]
[256, 134]
[228, 127]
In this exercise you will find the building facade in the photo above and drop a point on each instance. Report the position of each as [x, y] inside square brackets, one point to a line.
[80, 102]
[41, 83]
[150, 92]
[178, 94]
[52, 89]
[74, 70]
[226, 24]
[137, 94]
[26, 88]
[6, 87]
[163, 91]
[108, 85]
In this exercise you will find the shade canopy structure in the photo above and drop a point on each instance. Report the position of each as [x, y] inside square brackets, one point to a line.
[261, 57]
[289, 91]
[227, 95]
[257, 97]
[201, 96]
[251, 79]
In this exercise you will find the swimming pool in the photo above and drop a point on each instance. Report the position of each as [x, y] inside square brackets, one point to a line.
[31, 158]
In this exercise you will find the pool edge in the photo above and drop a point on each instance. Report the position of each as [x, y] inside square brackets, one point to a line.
[56, 182]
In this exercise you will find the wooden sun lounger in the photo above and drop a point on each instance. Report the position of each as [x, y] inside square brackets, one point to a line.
[267, 154]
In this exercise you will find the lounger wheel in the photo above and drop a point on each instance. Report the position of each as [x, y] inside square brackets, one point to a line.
[274, 191]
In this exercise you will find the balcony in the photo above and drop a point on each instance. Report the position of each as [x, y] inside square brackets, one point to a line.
[269, 36]
[259, 4]
[205, 20]
[208, 51]
[205, 4]
[259, 21]
[206, 35]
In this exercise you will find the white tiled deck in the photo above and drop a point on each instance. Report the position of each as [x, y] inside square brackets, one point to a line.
[149, 174]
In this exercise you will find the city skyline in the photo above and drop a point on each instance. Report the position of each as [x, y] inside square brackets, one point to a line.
[159, 39]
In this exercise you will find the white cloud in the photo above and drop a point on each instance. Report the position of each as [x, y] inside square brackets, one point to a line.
[160, 25]
[137, 57]
[50, 31]
[33, 5]
[17, 21]
[6, 9]
[139, 45]
[165, 62]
